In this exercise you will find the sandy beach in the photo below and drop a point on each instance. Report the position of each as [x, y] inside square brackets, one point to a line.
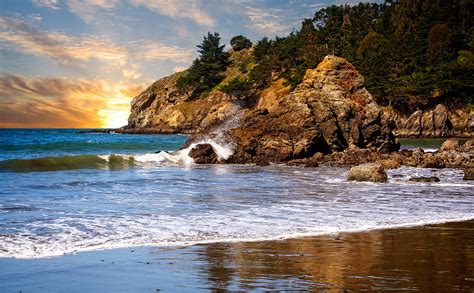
[433, 258]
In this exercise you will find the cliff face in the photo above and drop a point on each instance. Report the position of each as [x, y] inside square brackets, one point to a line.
[438, 121]
[328, 112]
[163, 109]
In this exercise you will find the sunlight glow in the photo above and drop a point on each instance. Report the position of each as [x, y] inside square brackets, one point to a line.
[117, 109]
[114, 118]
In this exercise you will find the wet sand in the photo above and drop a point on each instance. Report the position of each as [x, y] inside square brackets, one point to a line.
[433, 258]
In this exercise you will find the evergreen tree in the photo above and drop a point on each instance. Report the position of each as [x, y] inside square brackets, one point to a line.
[207, 70]
[240, 42]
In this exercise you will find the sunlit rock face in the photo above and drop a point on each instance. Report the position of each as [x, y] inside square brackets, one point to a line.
[438, 121]
[328, 112]
[163, 109]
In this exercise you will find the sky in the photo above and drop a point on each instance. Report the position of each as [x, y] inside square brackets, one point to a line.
[78, 63]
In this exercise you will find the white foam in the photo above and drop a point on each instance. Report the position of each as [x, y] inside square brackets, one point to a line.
[181, 157]
[243, 203]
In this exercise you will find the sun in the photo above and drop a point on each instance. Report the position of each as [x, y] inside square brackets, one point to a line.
[114, 118]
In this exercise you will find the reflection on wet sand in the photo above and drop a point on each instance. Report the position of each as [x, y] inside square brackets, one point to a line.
[432, 258]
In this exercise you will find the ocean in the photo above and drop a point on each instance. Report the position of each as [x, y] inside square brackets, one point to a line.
[64, 192]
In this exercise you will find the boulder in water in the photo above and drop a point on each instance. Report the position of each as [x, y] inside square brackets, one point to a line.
[451, 144]
[203, 154]
[367, 172]
[469, 174]
[424, 179]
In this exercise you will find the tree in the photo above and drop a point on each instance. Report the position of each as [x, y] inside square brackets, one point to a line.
[240, 42]
[439, 44]
[207, 70]
[238, 88]
[372, 59]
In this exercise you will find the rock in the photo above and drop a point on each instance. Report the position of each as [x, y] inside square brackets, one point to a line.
[469, 174]
[203, 154]
[451, 144]
[328, 112]
[367, 172]
[439, 121]
[468, 146]
[262, 162]
[307, 162]
[430, 160]
[424, 179]
[389, 163]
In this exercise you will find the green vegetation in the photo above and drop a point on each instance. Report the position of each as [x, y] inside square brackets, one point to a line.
[238, 88]
[207, 70]
[403, 48]
[239, 43]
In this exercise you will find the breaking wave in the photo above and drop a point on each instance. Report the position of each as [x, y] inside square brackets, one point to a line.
[113, 161]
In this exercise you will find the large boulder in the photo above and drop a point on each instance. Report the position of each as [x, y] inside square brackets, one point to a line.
[328, 112]
[203, 154]
[367, 172]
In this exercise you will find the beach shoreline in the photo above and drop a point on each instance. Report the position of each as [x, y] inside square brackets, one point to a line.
[424, 258]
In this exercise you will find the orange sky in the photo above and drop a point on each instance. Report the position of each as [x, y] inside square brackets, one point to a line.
[62, 103]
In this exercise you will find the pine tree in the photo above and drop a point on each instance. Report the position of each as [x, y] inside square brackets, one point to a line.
[207, 70]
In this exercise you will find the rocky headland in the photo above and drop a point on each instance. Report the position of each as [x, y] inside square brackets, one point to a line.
[329, 118]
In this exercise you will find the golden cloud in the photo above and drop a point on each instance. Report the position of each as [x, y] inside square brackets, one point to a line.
[53, 102]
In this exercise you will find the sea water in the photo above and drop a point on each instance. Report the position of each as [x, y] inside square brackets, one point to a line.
[63, 192]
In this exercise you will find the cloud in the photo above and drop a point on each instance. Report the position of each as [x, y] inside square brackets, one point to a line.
[266, 20]
[61, 47]
[131, 72]
[18, 35]
[53, 102]
[87, 9]
[178, 9]
[51, 4]
[180, 68]
[149, 51]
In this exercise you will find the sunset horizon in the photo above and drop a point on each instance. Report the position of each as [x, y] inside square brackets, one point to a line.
[72, 64]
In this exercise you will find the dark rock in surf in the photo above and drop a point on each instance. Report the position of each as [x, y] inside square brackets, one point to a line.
[424, 179]
[204, 154]
[469, 174]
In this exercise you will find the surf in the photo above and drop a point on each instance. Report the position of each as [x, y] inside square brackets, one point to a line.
[111, 161]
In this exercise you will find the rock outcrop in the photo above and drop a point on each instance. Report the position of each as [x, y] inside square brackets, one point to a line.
[439, 121]
[328, 112]
[367, 172]
[163, 109]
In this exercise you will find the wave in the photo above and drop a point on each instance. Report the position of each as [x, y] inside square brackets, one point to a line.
[29, 246]
[111, 162]
[89, 145]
